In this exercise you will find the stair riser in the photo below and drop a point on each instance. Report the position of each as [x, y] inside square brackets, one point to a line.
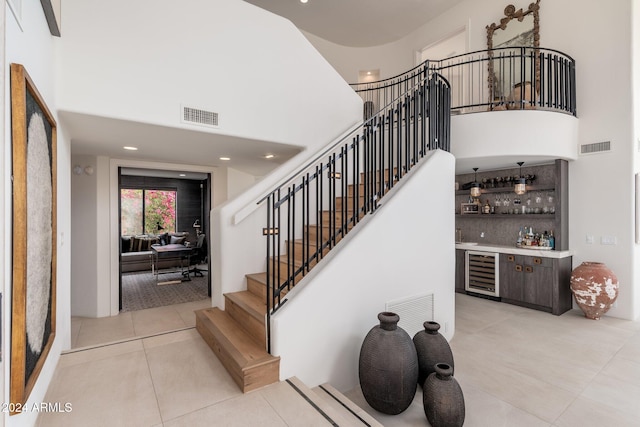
[338, 214]
[260, 289]
[256, 378]
[253, 326]
[313, 231]
[247, 378]
[257, 288]
[373, 190]
[284, 272]
[386, 175]
[349, 202]
[298, 249]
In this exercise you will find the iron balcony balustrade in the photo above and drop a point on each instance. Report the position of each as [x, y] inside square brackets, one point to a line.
[317, 206]
[512, 78]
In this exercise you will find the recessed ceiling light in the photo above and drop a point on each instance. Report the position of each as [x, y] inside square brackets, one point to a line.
[269, 156]
[225, 158]
[130, 148]
[303, 1]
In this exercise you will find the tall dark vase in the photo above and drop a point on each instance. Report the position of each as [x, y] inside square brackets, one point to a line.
[432, 348]
[442, 398]
[388, 366]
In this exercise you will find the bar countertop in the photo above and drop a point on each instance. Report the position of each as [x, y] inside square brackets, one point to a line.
[483, 247]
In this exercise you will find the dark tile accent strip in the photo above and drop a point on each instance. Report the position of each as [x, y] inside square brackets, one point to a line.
[345, 406]
[320, 411]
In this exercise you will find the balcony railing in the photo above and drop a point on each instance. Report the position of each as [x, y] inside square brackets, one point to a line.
[491, 80]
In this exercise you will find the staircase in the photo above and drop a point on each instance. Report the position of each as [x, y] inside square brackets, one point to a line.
[313, 210]
[237, 335]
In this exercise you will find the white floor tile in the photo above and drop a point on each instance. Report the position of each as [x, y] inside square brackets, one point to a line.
[516, 366]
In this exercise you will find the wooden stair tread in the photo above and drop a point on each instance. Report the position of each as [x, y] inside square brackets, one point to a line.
[258, 277]
[242, 348]
[251, 303]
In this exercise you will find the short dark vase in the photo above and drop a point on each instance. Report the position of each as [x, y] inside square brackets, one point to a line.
[432, 348]
[388, 366]
[442, 398]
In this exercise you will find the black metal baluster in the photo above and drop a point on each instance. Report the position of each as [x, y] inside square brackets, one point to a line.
[319, 206]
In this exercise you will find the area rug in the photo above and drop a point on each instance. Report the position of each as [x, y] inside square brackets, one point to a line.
[140, 291]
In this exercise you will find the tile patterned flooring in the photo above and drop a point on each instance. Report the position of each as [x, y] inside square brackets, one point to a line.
[516, 367]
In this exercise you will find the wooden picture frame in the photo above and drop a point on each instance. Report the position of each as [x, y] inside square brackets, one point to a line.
[34, 171]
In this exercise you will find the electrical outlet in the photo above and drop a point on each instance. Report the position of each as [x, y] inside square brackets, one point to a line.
[589, 239]
[608, 240]
[482, 234]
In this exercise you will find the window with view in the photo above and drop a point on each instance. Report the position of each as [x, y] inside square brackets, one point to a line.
[147, 211]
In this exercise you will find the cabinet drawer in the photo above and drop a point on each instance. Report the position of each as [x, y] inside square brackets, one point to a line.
[538, 261]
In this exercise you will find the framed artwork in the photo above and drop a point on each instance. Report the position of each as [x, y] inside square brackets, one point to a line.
[33, 315]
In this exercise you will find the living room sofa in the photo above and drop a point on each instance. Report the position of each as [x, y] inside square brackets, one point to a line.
[136, 252]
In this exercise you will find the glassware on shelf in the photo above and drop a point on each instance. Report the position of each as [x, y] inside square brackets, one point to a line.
[550, 198]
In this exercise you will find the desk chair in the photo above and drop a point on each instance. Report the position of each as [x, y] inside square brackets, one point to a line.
[198, 255]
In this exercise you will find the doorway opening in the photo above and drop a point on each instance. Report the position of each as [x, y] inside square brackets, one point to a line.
[164, 238]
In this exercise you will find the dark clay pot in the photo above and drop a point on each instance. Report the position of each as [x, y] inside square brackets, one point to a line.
[442, 398]
[388, 366]
[432, 348]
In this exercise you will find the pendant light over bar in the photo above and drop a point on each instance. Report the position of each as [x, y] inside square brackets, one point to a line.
[521, 184]
[475, 185]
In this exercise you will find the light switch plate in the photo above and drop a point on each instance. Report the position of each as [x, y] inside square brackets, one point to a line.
[608, 240]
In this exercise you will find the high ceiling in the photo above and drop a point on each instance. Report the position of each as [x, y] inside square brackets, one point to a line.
[358, 23]
[345, 22]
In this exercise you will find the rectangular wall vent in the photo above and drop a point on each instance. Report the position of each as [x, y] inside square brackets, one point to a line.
[413, 312]
[596, 147]
[199, 116]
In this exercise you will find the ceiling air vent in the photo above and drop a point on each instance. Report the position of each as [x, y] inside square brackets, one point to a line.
[199, 116]
[596, 147]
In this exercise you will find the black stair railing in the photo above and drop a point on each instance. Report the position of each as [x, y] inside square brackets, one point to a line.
[316, 207]
[513, 78]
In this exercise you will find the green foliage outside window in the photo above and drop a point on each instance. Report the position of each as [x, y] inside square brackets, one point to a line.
[159, 209]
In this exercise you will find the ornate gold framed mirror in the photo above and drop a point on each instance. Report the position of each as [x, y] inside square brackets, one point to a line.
[513, 62]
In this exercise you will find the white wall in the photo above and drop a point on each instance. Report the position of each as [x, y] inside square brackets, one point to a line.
[237, 224]
[604, 104]
[319, 332]
[135, 61]
[238, 182]
[636, 139]
[33, 46]
[84, 207]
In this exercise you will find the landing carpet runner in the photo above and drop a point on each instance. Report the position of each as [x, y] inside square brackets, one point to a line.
[140, 291]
